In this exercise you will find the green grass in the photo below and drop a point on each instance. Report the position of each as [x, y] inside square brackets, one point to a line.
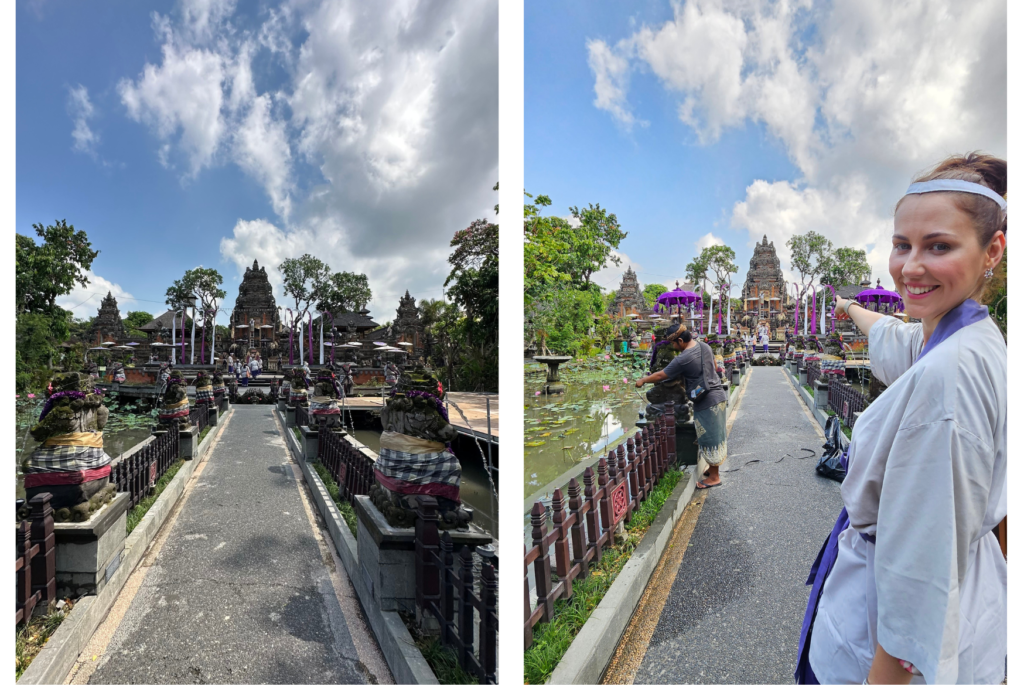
[29, 640]
[809, 389]
[732, 389]
[443, 661]
[347, 512]
[139, 510]
[551, 640]
[202, 435]
[298, 434]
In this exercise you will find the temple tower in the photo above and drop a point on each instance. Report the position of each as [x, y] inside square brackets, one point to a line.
[108, 324]
[629, 299]
[255, 302]
[408, 325]
[764, 292]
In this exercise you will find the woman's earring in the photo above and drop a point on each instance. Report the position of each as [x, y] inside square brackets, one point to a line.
[989, 273]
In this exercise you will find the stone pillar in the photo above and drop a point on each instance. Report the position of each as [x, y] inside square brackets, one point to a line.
[310, 442]
[820, 394]
[289, 417]
[214, 414]
[188, 443]
[802, 377]
[736, 376]
[686, 444]
[89, 553]
[282, 403]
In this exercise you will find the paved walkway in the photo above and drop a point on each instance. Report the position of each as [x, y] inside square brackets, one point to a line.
[241, 585]
[735, 605]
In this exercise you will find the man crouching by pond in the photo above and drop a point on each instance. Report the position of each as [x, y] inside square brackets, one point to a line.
[695, 365]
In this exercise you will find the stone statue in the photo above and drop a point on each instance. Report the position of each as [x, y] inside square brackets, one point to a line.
[669, 390]
[218, 385]
[346, 379]
[323, 406]
[414, 459]
[70, 463]
[297, 395]
[173, 413]
[204, 390]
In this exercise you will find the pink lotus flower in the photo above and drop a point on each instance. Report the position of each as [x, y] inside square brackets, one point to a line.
[17, 396]
[605, 387]
[625, 381]
[31, 396]
[536, 393]
[607, 357]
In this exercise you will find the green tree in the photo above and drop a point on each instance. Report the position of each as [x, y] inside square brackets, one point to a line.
[651, 292]
[135, 320]
[591, 243]
[473, 280]
[811, 256]
[544, 251]
[345, 292]
[47, 271]
[846, 267]
[203, 283]
[306, 280]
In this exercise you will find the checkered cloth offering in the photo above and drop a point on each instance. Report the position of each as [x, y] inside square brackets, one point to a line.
[219, 390]
[68, 459]
[204, 395]
[415, 466]
[173, 411]
[831, 364]
[323, 406]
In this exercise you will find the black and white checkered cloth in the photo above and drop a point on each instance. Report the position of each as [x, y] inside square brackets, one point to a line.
[66, 458]
[420, 469]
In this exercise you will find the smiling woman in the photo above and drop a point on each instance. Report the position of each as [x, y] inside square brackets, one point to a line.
[921, 588]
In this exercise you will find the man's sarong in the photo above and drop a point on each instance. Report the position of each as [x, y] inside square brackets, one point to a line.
[414, 466]
[69, 459]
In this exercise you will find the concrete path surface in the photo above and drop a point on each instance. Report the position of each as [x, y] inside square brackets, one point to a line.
[733, 611]
[241, 585]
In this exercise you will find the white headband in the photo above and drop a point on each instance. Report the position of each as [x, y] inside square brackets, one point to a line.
[956, 185]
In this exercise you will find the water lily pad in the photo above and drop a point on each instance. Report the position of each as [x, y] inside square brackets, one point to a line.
[535, 443]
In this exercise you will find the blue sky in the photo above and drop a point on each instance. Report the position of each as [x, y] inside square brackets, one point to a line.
[722, 121]
[213, 132]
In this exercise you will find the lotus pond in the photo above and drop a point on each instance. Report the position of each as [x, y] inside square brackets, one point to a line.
[598, 410]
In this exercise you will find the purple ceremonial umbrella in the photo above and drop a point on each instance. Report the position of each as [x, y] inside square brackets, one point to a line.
[680, 298]
[880, 297]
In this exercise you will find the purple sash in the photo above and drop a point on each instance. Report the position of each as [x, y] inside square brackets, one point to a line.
[966, 313]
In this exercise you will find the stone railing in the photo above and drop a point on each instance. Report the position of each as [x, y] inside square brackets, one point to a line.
[583, 524]
[461, 596]
[352, 470]
[138, 471]
[35, 563]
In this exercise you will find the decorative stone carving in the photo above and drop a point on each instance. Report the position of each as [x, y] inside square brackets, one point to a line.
[204, 389]
[669, 390]
[629, 299]
[218, 385]
[323, 407]
[70, 463]
[173, 412]
[414, 459]
[297, 394]
[255, 302]
[408, 325]
[767, 285]
[108, 324]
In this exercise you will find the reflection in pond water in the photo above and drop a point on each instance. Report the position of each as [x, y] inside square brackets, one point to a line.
[598, 410]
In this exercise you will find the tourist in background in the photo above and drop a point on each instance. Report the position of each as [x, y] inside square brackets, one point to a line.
[695, 364]
[912, 582]
[231, 364]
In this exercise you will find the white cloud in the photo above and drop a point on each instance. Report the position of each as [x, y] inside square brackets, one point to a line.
[707, 240]
[611, 81]
[181, 100]
[861, 95]
[394, 111]
[84, 301]
[81, 111]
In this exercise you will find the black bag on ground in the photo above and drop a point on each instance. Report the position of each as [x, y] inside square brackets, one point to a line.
[830, 465]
